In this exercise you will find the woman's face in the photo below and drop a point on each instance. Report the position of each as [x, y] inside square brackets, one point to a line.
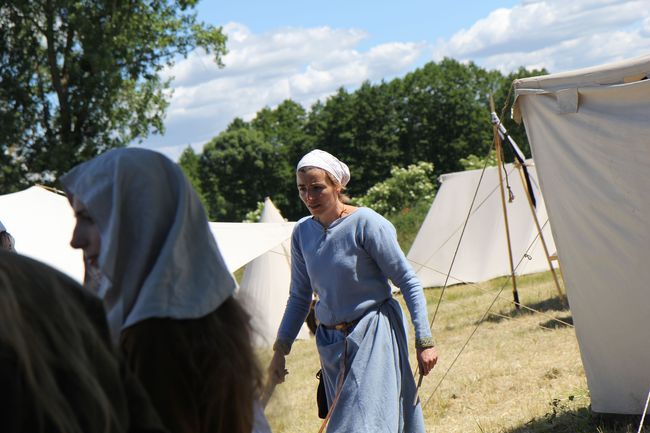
[86, 233]
[317, 191]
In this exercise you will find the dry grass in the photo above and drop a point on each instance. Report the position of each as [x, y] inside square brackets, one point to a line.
[519, 372]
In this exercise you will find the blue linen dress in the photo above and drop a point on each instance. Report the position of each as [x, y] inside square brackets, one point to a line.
[348, 266]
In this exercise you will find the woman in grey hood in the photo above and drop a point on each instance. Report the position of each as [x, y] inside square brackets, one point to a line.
[166, 289]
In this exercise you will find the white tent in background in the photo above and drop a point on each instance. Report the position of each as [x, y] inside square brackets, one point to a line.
[590, 135]
[41, 222]
[483, 252]
[264, 288]
[240, 243]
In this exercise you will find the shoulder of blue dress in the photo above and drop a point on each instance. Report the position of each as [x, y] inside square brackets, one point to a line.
[303, 219]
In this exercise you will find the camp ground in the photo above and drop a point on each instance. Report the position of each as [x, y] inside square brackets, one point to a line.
[463, 237]
[589, 131]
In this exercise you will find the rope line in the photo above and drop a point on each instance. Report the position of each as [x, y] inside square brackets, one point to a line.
[481, 321]
[471, 284]
[645, 410]
[461, 226]
[451, 265]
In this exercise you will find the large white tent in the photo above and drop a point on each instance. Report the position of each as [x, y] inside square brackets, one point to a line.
[264, 287]
[483, 250]
[42, 221]
[590, 136]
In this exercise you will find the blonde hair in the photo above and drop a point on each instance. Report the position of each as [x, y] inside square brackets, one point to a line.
[342, 196]
[57, 350]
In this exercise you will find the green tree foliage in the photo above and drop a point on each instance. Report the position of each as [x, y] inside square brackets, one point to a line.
[504, 98]
[237, 168]
[408, 221]
[284, 129]
[438, 114]
[190, 164]
[254, 215]
[473, 162]
[403, 189]
[80, 77]
[445, 115]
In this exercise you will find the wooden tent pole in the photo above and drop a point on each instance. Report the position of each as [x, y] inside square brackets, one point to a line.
[539, 231]
[497, 147]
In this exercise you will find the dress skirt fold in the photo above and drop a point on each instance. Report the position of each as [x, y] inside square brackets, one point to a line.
[378, 388]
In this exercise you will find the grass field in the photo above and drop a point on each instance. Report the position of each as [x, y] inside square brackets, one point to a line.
[500, 370]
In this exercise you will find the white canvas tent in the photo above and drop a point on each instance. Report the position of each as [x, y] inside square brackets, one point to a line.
[264, 287]
[42, 222]
[240, 243]
[483, 251]
[590, 136]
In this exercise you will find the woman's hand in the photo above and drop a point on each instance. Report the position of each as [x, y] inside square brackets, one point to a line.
[427, 359]
[277, 368]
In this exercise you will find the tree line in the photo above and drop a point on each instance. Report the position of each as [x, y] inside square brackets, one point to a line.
[78, 78]
[437, 114]
[81, 77]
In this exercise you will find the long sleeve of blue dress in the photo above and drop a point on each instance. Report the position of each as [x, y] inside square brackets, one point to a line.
[348, 266]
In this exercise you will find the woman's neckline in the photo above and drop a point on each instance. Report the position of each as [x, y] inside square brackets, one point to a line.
[347, 211]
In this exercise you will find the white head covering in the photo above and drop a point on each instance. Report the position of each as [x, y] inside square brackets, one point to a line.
[328, 162]
[157, 249]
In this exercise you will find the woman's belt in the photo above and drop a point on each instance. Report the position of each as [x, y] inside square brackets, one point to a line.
[343, 326]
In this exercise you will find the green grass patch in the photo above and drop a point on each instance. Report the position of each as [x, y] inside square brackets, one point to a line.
[500, 369]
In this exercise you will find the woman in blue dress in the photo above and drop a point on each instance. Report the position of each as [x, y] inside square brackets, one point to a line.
[346, 255]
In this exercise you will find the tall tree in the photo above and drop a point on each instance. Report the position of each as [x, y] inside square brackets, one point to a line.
[80, 77]
[238, 168]
[190, 164]
[445, 115]
[284, 130]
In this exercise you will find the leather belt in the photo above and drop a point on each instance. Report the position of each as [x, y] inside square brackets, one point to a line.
[343, 326]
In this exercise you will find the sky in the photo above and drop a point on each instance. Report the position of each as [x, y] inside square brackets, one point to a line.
[306, 50]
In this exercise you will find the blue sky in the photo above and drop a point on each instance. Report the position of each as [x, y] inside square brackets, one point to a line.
[305, 50]
[384, 21]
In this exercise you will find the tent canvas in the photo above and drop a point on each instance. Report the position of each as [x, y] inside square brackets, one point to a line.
[42, 222]
[240, 243]
[264, 287]
[589, 132]
[483, 251]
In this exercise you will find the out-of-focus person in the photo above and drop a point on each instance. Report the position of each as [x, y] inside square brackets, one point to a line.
[58, 371]
[167, 291]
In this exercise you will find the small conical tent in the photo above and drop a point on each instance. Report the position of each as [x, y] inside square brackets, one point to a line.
[483, 250]
[264, 288]
[589, 132]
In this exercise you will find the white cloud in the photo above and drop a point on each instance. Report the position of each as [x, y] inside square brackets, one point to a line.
[307, 64]
[303, 64]
[556, 34]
